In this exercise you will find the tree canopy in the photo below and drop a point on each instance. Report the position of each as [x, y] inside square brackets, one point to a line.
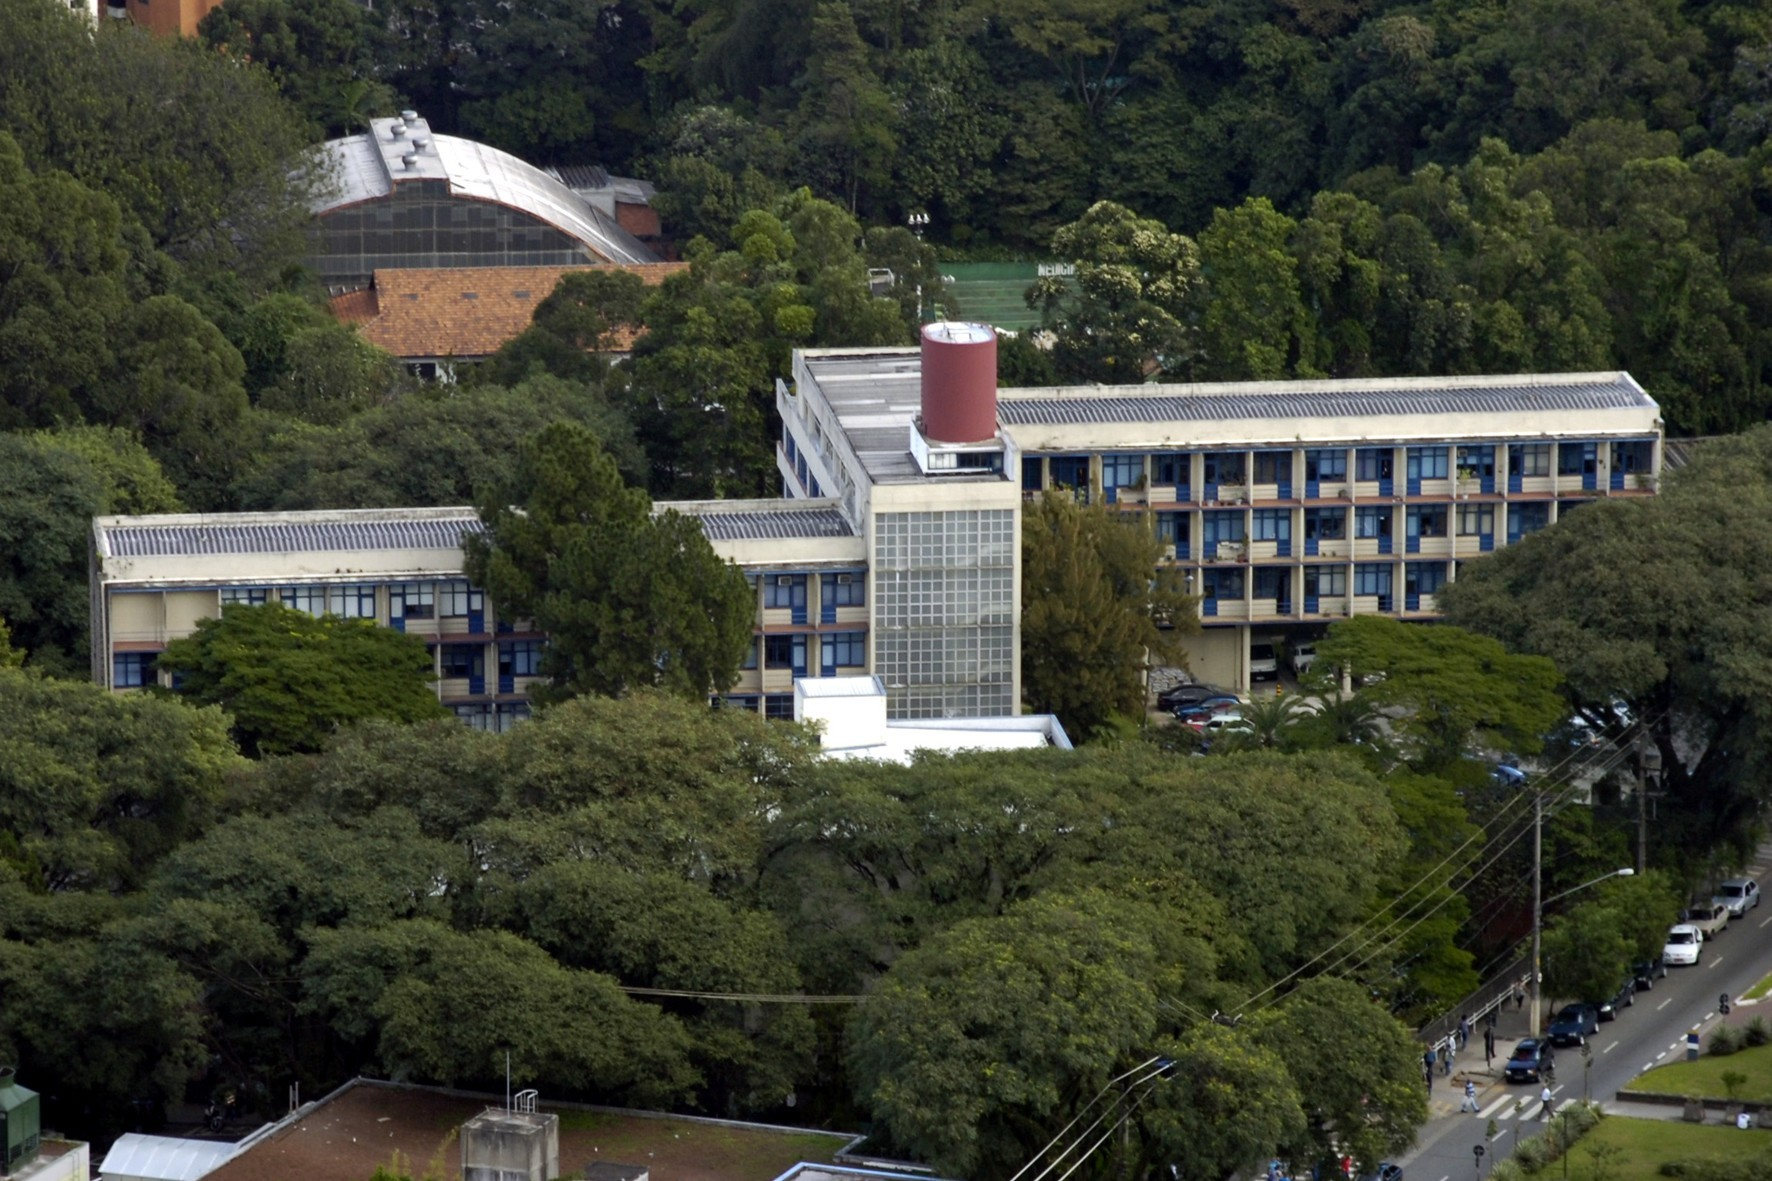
[288, 680]
[629, 598]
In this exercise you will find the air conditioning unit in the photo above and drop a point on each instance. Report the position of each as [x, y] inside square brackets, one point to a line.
[845, 579]
[784, 580]
[1169, 553]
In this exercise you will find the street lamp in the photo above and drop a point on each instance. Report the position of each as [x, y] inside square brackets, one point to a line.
[1539, 902]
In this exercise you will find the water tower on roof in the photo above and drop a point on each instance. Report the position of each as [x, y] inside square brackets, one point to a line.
[21, 1123]
[956, 431]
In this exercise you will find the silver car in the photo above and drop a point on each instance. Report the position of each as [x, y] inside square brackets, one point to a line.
[1739, 895]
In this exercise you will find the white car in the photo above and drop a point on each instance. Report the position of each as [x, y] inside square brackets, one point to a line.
[1684, 945]
[1303, 656]
[1737, 895]
[1263, 663]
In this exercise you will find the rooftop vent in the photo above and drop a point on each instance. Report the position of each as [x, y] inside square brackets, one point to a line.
[410, 159]
[409, 115]
[420, 142]
[396, 130]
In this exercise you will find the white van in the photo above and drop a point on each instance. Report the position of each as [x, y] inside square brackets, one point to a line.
[1264, 662]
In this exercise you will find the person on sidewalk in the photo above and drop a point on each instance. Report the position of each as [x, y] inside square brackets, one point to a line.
[1489, 1047]
[1519, 999]
[1544, 1097]
[1470, 1097]
[1464, 1031]
[1446, 1061]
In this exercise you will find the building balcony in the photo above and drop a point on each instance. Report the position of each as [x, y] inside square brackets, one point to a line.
[1432, 547]
[1327, 547]
[1372, 547]
[1224, 608]
[1374, 604]
[1270, 608]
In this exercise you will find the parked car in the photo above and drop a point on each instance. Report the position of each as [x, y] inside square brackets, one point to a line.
[1648, 972]
[1177, 696]
[1223, 725]
[1303, 656]
[1711, 921]
[1685, 945]
[1208, 707]
[1507, 775]
[1623, 998]
[1264, 663]
[1738, 895]
[1384, 1172]
[1571, 1026]
[1532, 1058]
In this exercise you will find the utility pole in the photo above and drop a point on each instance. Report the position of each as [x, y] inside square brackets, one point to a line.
[1537, 901]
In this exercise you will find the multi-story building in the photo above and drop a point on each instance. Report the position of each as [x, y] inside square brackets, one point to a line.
[1288, 505]
[896, 551]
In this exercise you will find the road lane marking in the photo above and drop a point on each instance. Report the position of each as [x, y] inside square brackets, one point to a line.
[1764, 921]
[1710, 1014]
[1648, 1066]
[1660, 1056]
[1715, 960]
[1664, 1004]
[1610, 1048]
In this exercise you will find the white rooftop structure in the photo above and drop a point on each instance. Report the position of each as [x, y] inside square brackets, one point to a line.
[135, 1157]
[851, 715]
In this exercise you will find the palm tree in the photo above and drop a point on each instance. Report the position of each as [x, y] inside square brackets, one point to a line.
[1269, 720]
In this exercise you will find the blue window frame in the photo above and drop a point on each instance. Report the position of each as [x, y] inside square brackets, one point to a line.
[412, 600]
[1525, 518]
[846, 649]
[462, 660]
[1170, 467]
[848, 588]
[1120, 470]
[1372, 578]
[1325, 464]
[779, 707]
[785, 651]
[784, 591]
[520, 658]
[1424, 578]
[1325, 580]
[1274, 582]
[459, 600]
[1070, 471]
[1033, 473]
[1224, 582]
[1224, 467]
[1372, 520]
[1374, 463]
[252, 596]
[1428, 463]
[132, 670]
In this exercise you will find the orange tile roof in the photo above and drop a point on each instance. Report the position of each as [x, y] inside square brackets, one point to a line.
[463, 312]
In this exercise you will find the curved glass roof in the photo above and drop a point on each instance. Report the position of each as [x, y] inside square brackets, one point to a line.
[400, 151]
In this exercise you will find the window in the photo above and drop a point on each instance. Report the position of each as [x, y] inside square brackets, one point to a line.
[1428, 520]
[458, 599]
[1425, 578]
[411, 600]
[462, 660]
[252, 596]
[1374, 463]
[1069, 471]
[1476, 520]
[1171, 469]
[1372, 578]
[1427, 463]
[347, 602]
[1272, 582]
[132, 670]
[844, 590]
[1527, 518]
[1224, 526]
[1121, 471]
[1325, 524]
[779, 706]
[1033, 473]
[740, 701]
[1172, 528]
[1325, 464]
[784, 652]
[1223, 584]
[1530, 459]
[1325, 580]
[1271, 524]
[1224, 467]
[1372, 521]
[784, 590]
[849, 649]
[1574, 459]
[522, 658]
[1273, 467]
[1479, 461]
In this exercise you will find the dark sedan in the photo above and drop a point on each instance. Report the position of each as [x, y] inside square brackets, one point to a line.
[1532, 1060]
[1571, 1026]
[1176, 696]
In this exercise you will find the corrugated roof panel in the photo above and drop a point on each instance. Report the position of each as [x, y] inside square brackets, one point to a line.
[770, 525]
[165, 1158]
[291, 535]
[1347, 402]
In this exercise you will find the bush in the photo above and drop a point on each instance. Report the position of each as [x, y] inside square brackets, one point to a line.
[1725, 1039]
[1507, 1170]
[1758, 1032]
[1567, 1127]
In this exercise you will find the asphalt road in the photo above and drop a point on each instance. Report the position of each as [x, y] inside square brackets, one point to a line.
[1649, 1033]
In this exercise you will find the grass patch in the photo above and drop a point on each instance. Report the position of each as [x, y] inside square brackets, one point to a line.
[686, 1149]
[1705, 1076]
[1645, 1143]
[1759, 990]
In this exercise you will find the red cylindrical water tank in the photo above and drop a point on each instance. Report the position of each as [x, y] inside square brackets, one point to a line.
[959, 382]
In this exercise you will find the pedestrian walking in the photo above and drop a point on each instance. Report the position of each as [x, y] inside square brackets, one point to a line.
[1446, 1060]
[1427, 1076]
[1464, 1031]
[1544, 1097]
[1519, 999]
[1494, 1014]
[1470, 1097]
[1488, 1047]
[1430, 1060]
